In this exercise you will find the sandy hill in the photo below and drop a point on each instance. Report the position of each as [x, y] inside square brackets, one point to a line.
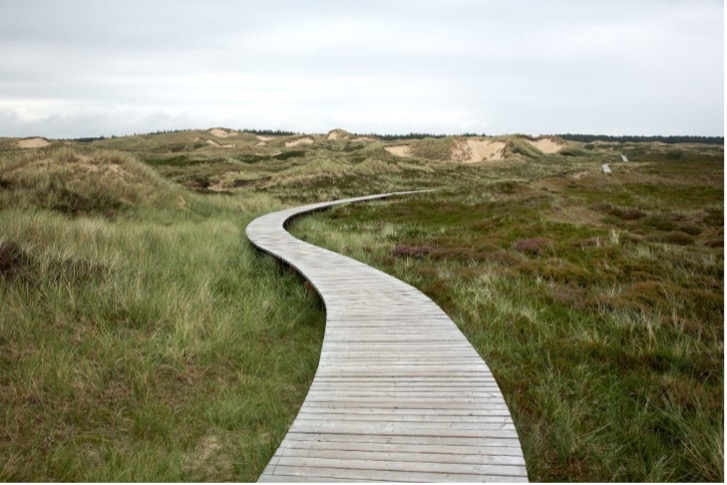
[222, 132]
[82, 181]
[33, 142]
[548, 145]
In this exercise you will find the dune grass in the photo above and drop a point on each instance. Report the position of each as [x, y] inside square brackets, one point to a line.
[143, 339]
[154, 346]
[604, 330]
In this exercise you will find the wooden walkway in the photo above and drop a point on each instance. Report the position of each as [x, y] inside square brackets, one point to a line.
[399, 394]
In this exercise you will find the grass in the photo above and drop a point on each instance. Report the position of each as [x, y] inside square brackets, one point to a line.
[157, 346]
[142, 338]
[603, 325]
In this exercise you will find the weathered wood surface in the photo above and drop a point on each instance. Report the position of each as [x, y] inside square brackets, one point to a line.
[399, 394]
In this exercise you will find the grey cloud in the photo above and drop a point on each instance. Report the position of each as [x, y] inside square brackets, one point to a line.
[645, 66]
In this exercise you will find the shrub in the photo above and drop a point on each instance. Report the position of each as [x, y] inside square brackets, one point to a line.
[12, 259]
[691, 229]
[534, 246]
[660, 222]
[715, 243]
[623, 213]
[676, 237]
[405, 251]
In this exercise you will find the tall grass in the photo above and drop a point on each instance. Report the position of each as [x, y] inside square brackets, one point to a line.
[156, 346]
[142, 339]
[606, 341]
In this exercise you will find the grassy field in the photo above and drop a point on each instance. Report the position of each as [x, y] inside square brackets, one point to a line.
[142, 338]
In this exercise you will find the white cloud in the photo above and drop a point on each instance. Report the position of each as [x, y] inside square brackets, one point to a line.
[638, 67]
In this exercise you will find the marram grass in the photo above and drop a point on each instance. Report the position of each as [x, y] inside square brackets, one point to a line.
[143, 339]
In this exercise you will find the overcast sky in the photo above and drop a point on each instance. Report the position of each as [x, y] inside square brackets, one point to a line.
[72, 68]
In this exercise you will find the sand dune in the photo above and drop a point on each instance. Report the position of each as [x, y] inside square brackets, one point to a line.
[215, 144]
[221, 133]
[474, 150]
[306, 140]
[36, 142]
[399, 150]
[547, 145]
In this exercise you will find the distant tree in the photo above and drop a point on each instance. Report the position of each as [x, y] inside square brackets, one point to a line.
[672, 139]
[271, 132]
[413, 136]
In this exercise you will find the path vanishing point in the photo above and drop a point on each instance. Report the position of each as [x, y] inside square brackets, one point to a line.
[399, 394]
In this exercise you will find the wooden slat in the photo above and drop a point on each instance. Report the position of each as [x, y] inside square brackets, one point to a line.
[401, 457]
[399, 393]
[346, 475]
[405, 448]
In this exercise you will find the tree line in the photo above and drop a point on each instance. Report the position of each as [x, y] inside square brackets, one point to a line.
[672, 139]
[271, 132]
[414, 136]
[585, 138]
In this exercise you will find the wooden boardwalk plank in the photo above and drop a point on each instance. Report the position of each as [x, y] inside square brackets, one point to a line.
[399, 394]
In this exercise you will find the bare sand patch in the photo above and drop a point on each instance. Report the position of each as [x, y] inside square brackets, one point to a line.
[547, 145]
[215, 144]
[364, 138]
[260, 144]
[36, 142]
[336, 134]
[221, 133]
[118, 170]
[399, 150]
[264, 138]
[473, 150]
[306, 140]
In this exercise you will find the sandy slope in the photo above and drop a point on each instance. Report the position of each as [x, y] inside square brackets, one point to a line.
[215, 144]
[300, 141]
[221, 133]
[36, 142]
[399, 150]
[547, 145]
[477, 150]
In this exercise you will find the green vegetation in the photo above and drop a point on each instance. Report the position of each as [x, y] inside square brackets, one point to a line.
[143, 339]
[713, 140]
[151, 345]
[602, 321]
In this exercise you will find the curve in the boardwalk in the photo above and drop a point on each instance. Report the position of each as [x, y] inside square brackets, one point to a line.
[399, 394]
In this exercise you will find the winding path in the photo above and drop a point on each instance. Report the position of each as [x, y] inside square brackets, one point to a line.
[399, 394]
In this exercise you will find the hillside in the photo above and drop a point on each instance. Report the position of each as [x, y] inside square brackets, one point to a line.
[143, 339]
